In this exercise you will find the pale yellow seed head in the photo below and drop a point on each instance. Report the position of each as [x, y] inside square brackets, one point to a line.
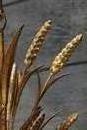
[66, 124]
[72, 117]
[61, 59]
[37, 43]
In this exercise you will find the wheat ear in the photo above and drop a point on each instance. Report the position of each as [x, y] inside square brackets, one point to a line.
[68, 122]
[61, 59]
[37, 43]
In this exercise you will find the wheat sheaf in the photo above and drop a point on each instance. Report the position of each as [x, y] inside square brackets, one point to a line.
[13, 79]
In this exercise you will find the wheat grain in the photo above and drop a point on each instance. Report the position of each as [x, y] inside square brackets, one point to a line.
[37, 43]
[61, 59]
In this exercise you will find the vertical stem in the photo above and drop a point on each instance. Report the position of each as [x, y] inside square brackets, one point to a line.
[3, 125]
[2, 60]
[44, 89]
[1, 47]
[2, 26]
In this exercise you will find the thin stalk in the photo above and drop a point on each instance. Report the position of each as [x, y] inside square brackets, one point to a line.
[2, 60]
[44, 89]
[45, 86]
[2, 27]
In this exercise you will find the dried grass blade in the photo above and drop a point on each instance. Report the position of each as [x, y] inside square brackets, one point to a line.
[48, 120]
[14, 100]
[13, 87]
[39, 85]
[49, 84]
[1, 49]
[38, 122]
[11, 95]
[56, 79]
[1, 60]
[8, 65]
[23, 82]
[28, 123]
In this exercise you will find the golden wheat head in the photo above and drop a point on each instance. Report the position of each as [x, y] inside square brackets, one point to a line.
[37, 42]
[61, 59]
[68, 122]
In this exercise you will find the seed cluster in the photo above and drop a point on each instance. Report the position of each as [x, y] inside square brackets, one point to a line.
[68, 122]
[37, 43]
[61, 59]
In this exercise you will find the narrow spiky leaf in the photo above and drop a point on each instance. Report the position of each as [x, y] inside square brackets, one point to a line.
[37, 123]
[39, 86]
[29, 122]
[49, 84]
[22, 83]
[8, 64]
[48, 120]
[12, 87]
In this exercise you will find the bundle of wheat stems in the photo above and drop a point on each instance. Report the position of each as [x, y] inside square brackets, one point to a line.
[13, 81]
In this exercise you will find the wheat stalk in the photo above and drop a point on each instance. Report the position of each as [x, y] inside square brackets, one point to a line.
[13, 81]
[37, 43]
[38, 122]
[61, 59]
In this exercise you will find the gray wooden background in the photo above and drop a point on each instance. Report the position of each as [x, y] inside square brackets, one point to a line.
[69, 18]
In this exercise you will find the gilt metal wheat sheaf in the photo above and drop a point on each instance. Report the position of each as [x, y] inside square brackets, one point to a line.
[13, 80]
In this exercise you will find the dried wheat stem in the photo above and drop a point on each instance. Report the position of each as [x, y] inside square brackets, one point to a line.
[61, 59]
[44, 89]
[36, 124]
[10, 94]
[1, 45]
[37, 43]
[68, 122]
[1, 60]
[19, 77]
[12, 86]
[3, 22]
